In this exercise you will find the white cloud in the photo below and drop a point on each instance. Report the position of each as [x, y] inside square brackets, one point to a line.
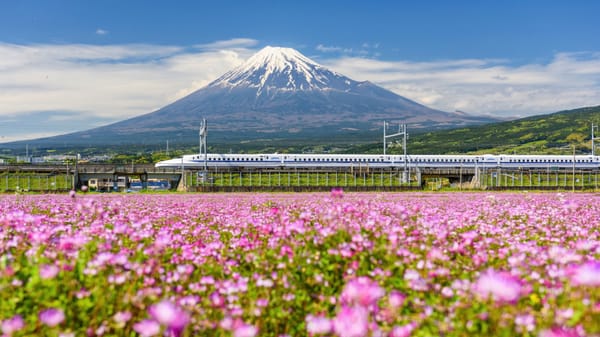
[229, 44]
[112, 82]
[103, 83]
[101, 31]
[365, 50]
[493, 87]
[329, 49]
[53, 83]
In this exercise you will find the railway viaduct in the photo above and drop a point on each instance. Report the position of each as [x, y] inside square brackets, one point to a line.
[282, 179]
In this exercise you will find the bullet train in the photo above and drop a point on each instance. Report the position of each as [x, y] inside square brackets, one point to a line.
[381, 161]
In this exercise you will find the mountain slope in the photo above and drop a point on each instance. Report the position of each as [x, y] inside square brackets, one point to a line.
[277, 93]
[543, 134]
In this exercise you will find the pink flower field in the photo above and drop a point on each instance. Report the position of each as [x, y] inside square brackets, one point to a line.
[335, 264]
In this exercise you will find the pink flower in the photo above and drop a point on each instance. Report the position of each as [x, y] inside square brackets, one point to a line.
[402, 331]
[318, 325]
[147, 328]
[587, 274]
[122, 317]
[525, 323]
[52, 317]
[501, 286]
[169, 315]
[216, 299]
[560, 332]
[245, 330]
[337, 193]
[72, 193]
[362, 291]
[396, 299]
[351, 322]
[226, 323]
[48, 271]
[13, 324]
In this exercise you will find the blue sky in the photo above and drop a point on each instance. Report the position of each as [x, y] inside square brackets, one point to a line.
[72, 65]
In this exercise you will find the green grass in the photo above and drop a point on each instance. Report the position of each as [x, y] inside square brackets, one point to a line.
[31, 182]
[322, 179]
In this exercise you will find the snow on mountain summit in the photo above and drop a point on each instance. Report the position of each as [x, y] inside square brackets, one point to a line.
[275, 69]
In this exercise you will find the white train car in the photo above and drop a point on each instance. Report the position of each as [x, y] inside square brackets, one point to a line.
[381, 161]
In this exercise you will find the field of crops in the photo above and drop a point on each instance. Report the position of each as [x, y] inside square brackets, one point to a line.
[329, 264]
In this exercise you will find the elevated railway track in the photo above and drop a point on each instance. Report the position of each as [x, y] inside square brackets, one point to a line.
[59, 178]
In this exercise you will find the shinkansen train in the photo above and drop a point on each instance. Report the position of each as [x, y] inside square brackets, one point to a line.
[381, 161]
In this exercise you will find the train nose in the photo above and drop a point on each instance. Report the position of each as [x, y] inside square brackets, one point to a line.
[168, 163]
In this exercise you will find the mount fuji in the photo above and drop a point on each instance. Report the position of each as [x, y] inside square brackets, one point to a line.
[278, 93]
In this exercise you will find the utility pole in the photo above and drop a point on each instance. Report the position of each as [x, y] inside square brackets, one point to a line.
[203, 150]
[401, 132]
[593, 139]
[182, 184]
[573, 167]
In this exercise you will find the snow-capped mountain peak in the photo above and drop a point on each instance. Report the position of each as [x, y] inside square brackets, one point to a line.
[275, 69]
